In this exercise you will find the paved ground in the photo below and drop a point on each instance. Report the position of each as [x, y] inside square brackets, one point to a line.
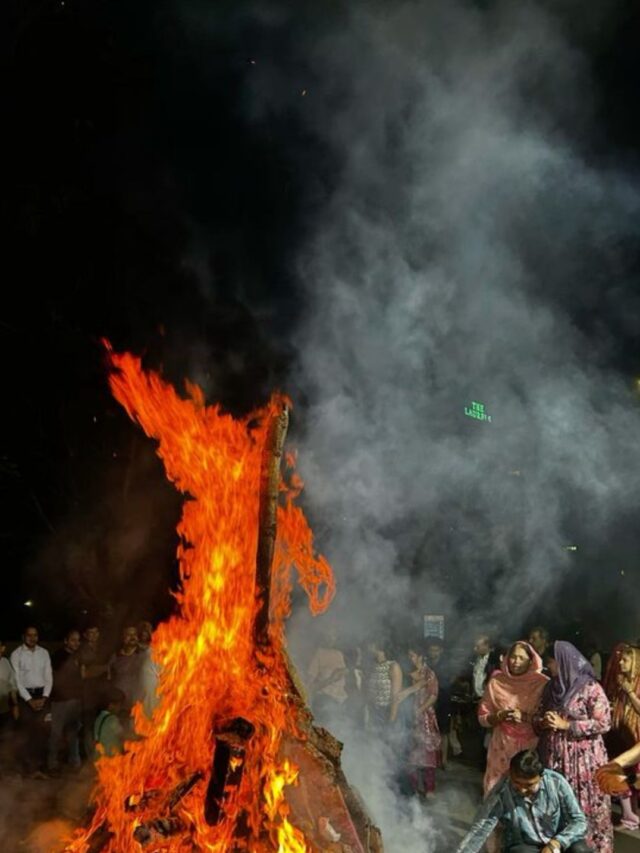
[34, 814]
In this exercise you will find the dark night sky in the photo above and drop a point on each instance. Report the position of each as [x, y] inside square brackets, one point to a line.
[140, 203]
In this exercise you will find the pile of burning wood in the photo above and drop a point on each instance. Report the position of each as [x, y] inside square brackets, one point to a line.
[257, 775]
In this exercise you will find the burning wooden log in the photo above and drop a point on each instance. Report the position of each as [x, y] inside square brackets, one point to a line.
[230, 746]
[183, 789]
[135, 803]
[158, 829]
[323, 799]
[267, 523]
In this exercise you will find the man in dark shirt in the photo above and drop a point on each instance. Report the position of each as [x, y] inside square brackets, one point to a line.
[125, 668]
[65, 702]
[94, 669]
[539, 638]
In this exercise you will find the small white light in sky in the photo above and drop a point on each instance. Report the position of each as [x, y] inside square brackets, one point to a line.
[570, 547]
[28, 603]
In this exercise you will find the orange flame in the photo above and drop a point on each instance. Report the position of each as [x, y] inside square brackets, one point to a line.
[210, 670]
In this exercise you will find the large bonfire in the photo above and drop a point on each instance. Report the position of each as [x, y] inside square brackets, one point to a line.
[215, 673]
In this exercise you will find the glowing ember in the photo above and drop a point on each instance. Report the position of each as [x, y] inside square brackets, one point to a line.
[214, 678]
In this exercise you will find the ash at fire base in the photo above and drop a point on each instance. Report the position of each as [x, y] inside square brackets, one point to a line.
[230, 759]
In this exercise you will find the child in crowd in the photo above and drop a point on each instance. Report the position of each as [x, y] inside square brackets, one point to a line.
[108, 731]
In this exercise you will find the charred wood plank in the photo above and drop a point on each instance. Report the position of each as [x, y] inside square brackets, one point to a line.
[269, 489]
[230, 745]
[181, 790]
[158, 829]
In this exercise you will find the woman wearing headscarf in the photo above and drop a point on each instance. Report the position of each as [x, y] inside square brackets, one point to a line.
[511, 698]
[622, 686]
[576, 714]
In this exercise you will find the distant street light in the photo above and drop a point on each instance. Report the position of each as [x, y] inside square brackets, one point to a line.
[28, 603]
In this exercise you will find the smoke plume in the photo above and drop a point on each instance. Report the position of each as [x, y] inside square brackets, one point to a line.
[467, 225]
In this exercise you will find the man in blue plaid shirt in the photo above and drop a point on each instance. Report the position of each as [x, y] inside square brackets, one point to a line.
[535, 807]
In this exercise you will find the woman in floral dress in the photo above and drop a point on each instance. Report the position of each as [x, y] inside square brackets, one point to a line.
[622, 686]
[575, 715]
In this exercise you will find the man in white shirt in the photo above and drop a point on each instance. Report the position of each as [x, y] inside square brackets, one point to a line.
[34, 680]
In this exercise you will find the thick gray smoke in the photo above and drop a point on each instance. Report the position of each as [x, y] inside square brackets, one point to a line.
[464, 230]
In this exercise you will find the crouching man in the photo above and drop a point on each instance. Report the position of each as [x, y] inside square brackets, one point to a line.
[535, 808]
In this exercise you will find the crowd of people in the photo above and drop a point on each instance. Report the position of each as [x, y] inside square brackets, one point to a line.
[556, 730]
[68, 706]
[559, 734]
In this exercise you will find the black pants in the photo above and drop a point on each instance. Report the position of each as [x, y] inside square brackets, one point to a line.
[578, 847]
[7, 738]
[33, 736]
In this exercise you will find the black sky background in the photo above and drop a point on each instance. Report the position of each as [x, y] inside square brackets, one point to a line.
[140, 204]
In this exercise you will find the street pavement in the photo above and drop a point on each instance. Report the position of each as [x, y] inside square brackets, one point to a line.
[34, 814]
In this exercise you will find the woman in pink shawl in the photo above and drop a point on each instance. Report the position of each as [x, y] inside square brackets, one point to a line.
[511, 698]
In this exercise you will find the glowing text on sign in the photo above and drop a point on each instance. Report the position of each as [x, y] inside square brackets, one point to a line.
[477, 410]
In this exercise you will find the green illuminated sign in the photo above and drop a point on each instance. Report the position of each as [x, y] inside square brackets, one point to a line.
[477, 411]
